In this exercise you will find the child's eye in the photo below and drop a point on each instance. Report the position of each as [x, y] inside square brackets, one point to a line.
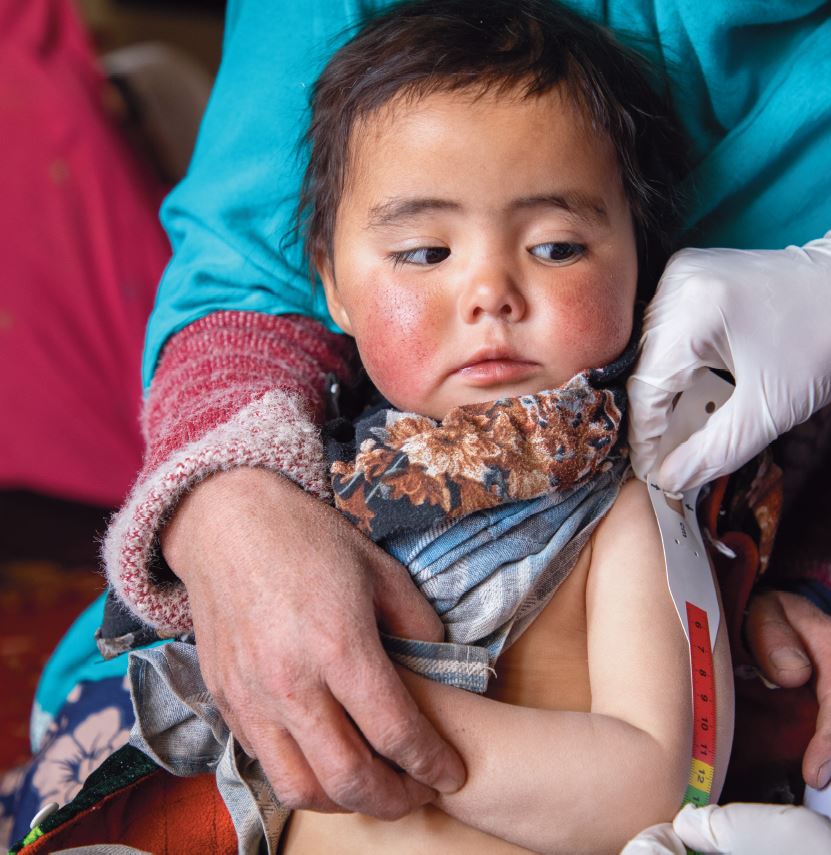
[558, 252]
[423, 255]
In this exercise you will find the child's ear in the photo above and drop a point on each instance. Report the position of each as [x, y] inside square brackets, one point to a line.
[326, 271]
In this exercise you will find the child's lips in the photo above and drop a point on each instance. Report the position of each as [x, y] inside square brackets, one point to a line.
[496, 370]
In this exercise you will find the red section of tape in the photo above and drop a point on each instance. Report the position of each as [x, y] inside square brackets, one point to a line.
[703, 686]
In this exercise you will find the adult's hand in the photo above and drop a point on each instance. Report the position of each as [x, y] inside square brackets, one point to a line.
[737, 829]
[791, 641]
[286, 598]
[762, 316]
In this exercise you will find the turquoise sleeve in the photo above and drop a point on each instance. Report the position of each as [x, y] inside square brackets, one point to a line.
[750, 78]
[230, 219]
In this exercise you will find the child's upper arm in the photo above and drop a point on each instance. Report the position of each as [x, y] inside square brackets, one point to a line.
[638, 654]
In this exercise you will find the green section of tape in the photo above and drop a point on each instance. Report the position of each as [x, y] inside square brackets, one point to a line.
[695, 796]
[699, 798]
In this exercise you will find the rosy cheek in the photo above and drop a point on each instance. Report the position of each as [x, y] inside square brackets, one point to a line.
[397, 335]
[595, 323]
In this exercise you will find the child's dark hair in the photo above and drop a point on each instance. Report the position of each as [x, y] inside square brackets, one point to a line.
[530, 46]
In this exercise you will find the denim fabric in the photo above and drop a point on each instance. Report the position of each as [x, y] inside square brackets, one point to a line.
[179, 727]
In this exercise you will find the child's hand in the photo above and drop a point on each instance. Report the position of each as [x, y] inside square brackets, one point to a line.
[286, 596]
[762, 316]
[737, 829]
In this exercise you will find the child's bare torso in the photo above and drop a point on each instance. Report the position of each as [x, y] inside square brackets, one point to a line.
[546, 668]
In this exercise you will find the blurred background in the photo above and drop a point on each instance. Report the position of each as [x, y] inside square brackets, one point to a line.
[194, 26]
[100, 101]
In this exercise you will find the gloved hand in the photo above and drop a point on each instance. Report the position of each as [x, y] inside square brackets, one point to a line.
[738, 829]
[761, 315]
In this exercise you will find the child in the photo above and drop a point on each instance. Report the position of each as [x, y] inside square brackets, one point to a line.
[490, 186]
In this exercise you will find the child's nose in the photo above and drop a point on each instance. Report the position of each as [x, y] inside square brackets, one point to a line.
[492, 292]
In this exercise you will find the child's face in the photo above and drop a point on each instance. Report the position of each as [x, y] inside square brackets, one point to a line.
[482, 249]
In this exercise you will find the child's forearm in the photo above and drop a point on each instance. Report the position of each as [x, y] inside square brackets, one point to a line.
[552, 781]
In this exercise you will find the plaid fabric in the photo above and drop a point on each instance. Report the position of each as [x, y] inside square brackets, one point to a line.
[490, 574]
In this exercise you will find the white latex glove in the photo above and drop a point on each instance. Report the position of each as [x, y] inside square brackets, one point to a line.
[762, 315]
[737, 829]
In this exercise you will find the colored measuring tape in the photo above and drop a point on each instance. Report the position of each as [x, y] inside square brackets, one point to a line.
[691, 583]
[702, 767]
[694, 594]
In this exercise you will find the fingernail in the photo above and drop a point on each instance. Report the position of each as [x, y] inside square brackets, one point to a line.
[789, 659]
[450, 783]
[768, 684]
[824, 775]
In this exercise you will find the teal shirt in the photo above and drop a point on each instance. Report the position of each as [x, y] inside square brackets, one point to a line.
[751, 80]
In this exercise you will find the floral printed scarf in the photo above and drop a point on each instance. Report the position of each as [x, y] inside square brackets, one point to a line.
[489, 509]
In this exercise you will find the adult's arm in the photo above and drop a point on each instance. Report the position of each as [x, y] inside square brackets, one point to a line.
[230, 220]
[284, 594]
[238, 391]
[762, 316]
[740, 74]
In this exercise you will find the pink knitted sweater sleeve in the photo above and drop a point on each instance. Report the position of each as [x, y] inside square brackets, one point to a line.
[232, 389]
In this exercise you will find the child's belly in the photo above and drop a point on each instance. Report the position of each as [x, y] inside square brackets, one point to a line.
[546, 668]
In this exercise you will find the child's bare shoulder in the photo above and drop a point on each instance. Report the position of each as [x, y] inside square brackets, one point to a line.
[630, 523]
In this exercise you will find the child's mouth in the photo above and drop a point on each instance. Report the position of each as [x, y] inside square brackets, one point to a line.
[496, 371]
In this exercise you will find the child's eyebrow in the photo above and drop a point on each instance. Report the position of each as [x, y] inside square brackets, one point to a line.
[587, 208]
[395, 211]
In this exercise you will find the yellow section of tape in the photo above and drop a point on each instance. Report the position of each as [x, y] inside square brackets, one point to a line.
[701, 775]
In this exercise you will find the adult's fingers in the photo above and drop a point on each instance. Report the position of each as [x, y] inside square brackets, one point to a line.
[774, 642]
[783, 627]
[753, 829]
[655, 840]
[649, 410]
[814, 629]
[816, 764]
[401, 609]
[351, 774]
[732, 435]
[292, 779]
[397, 729]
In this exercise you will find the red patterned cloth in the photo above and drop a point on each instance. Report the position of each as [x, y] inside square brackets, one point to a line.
[232, 389]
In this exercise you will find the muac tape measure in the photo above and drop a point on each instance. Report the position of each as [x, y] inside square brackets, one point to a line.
[691, 581]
